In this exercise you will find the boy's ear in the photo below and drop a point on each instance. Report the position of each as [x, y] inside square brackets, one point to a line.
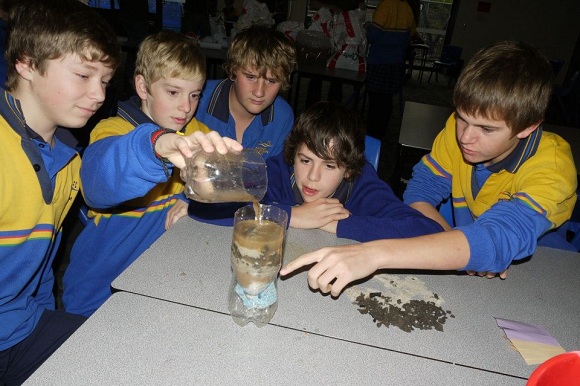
[24, 68]
[527, 131]
[141, 87]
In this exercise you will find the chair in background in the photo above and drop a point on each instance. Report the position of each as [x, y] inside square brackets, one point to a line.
[449, 63]
[557, 65]
[372, 150]
[419, 51]
[569, 100]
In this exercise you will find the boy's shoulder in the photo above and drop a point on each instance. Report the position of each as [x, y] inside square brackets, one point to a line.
[210, 86]
[553, 151]
[110, 127]
[195, 125]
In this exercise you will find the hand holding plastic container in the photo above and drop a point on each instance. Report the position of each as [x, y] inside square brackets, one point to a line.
[257, 250]
[231, 177]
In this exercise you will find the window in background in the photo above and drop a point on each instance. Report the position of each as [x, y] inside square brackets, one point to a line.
[436, 23]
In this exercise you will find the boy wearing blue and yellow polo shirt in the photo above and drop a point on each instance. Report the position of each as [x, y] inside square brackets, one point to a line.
[510, 182]
[60, 55]
[246, 106]
[128, 179]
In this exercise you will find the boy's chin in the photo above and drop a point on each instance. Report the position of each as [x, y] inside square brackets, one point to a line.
[471, 160]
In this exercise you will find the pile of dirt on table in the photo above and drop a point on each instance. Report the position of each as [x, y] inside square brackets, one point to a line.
[404, 302]
[414, 314]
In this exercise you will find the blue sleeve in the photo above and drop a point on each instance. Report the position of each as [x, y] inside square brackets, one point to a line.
[376, 213]
[279, 191]
[426, 186]
[120, 168]
[507, 231]
[181, 196]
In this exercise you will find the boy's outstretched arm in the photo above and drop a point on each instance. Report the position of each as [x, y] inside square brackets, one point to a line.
[430, 211]
[118, 168]
[338, 266]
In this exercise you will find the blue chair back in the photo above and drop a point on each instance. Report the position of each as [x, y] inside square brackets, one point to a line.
[372, 150]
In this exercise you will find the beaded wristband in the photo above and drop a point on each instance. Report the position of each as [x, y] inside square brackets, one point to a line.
[154, 138]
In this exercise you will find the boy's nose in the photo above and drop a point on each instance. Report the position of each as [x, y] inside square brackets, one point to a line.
[259, 89]
[314, 174]
[97, 92]
[468, 135]
[185, 105]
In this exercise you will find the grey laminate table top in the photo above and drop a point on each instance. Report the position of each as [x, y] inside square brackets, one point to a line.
[190, 265]
[137, 340]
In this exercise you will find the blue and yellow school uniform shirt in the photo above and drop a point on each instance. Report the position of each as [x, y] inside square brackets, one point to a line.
[267, 131]
[503, 209]
[38, 186]
[130, 196]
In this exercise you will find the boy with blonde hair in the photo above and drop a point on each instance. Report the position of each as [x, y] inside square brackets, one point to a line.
[61, 56]
[128, 178]
[246, 106]
[511, 183]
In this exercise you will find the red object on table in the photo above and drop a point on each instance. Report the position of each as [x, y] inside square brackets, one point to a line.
[563, 369]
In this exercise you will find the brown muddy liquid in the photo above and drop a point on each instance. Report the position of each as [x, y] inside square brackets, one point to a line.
[227, 196]
[257, 248]
[257, 210]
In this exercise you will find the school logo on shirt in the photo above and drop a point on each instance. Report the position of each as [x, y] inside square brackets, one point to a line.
[263, 147]
[505, 193]
[74, 187]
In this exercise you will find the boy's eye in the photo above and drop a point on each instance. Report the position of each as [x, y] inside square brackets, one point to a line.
[304, 160]
[331, 166]
[486, 129]
[172, 92]
[195, 97]
[272, 81]
[251, 77]
[82, 76]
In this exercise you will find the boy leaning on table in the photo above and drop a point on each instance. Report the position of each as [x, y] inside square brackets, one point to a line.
[128, 176]
[510, 181]
[323, 181]
[60, 55]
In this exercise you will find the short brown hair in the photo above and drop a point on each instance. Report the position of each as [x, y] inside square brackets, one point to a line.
[508, 80]
[43, 30]
[325, 122]
[169, 54]
[264, 49]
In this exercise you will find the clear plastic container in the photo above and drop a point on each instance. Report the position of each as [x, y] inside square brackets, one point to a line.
[231, 177]
[257, 250]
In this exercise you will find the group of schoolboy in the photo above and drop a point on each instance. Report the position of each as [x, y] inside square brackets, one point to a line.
[510, 181]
